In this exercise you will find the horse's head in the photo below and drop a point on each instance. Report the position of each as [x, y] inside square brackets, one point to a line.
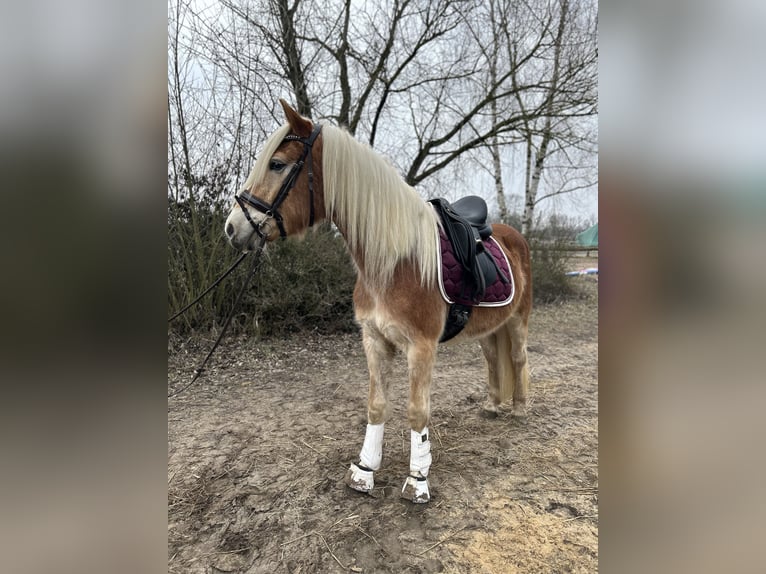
[283, 194]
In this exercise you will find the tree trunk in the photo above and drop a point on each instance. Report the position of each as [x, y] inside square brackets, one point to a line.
[293, 65]
[344, 115]
[497, 169]
[494, 147]
[533, 183]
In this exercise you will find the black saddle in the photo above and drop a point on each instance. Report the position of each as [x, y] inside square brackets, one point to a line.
[465, 225]
[474, 210]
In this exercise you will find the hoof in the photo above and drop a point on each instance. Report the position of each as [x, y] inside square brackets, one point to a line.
[489, 410]
[519, 416]
[416, 490]
[358, 479]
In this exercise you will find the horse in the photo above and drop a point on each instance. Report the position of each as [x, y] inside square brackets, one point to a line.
[392, 236]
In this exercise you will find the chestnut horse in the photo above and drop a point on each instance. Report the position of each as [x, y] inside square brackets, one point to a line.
[308, 173]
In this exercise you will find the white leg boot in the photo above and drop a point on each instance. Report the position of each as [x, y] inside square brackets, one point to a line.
[415, 487]
[360, 475]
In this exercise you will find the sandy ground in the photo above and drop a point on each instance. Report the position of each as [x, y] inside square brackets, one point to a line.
[257, 451]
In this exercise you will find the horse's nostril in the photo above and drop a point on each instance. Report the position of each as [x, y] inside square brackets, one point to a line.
[229, 229]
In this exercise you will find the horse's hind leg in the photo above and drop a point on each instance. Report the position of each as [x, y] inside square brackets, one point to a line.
[420, 362]
[489, 346]
[506, 353]
[517, 329]
[379, 353]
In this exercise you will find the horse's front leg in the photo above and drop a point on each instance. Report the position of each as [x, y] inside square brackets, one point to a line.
[379, 353]
[420, 361]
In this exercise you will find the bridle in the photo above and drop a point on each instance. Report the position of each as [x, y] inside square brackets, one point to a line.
[271, 211]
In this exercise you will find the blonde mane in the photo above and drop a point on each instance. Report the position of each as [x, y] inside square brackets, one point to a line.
[382, 216]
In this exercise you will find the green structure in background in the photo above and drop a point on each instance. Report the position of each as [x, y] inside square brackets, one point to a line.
[588, 238]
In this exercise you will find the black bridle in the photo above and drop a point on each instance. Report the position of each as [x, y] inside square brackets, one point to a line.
[271, 211]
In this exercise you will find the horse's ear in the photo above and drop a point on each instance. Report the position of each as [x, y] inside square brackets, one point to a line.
[300, 125]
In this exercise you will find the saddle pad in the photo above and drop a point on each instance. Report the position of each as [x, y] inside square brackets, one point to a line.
[451, 275]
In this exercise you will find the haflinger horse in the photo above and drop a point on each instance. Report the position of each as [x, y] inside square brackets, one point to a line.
[308, 173]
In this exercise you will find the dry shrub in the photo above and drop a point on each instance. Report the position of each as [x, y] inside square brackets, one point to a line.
[304, 285]
[301, 284]
[549, 267]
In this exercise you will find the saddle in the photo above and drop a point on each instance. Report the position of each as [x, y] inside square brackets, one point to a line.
[465, 225]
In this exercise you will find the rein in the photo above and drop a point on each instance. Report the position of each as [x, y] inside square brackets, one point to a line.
[256, 263]
[271, 210]
[206, 291]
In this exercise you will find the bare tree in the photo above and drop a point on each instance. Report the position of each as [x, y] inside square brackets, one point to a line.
[276, 24]
[180, 163]
[569, 92]
[383, 59]
[427, 82]
[498, 16]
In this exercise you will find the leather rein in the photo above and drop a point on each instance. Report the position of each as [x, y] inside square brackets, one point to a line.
[271, 210]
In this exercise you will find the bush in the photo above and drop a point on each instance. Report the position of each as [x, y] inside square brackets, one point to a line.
[549, 266]
[304, 285]
[300, 284]
[197, 254]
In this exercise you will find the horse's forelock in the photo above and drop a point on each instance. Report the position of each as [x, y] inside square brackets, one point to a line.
[263, 156]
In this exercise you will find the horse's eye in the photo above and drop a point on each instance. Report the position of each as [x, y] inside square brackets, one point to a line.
[276, 165]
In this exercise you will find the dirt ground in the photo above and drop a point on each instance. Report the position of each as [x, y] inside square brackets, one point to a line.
[257, 451]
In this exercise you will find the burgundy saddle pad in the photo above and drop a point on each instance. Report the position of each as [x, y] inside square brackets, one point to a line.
[451, 276]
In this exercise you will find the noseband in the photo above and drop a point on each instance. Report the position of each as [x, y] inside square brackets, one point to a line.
[272, 210]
